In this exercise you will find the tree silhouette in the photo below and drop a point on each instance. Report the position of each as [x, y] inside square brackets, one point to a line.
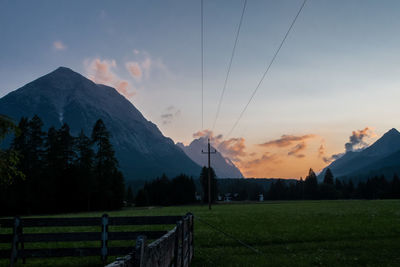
[204, 184]
[311, 186]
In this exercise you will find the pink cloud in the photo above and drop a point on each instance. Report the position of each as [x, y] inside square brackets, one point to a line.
[101, 71]
[134, 69]
[59, 46]
[233, 148]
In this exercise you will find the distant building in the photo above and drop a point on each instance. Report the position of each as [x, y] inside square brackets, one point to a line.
[198, 197]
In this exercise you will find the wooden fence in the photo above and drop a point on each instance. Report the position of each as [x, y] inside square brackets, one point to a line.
[18, 238]
[175, 248]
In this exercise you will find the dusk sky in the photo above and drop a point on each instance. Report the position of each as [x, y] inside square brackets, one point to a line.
[337, 72]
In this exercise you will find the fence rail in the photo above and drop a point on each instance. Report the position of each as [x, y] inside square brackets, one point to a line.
[175, 248]
[18, 239]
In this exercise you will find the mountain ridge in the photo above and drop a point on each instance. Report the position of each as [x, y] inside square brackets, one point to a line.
[382, 154]
[223, 167]
[66, 96]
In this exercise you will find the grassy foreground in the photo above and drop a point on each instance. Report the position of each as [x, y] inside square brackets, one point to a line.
[298, 233]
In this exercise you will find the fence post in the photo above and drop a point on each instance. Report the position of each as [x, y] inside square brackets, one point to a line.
[177, 247]
[183, 242]
[104, 237]
[14, 249]
[139, 251]
[191, 234]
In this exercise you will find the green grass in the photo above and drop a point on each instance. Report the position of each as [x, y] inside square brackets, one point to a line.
[298, 233]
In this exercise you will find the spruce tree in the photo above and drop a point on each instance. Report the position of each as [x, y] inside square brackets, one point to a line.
[311, 186]
[84, 166]
[204, 183]
[109, 179]
[35, 163]
[328, 177]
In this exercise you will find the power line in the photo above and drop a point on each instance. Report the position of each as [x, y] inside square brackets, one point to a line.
[202, 66]
[230, 64]
[268, 68]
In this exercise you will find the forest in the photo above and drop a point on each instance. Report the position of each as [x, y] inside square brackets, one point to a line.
[55, 172]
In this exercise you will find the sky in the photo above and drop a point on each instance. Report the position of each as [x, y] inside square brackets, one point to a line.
[335, 81]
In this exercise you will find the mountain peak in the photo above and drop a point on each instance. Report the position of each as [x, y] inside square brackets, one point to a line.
[65, 96]
[392, 131]
[224, 168]
[63, 69]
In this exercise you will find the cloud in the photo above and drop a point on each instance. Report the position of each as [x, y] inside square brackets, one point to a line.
[136, 52]
[233, 148]
[266, 158]
[264, 164]
[295, 151]
[134, 69]
[287, 140]
[215, 140]
[59, 46]
[102, 72]
[143, 68]
[170, 114]
[321, 150]
[322, 154]
[356, 139]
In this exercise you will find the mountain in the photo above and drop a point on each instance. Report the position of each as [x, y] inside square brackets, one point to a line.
[66, 96]
[382, 157]
[223, 167]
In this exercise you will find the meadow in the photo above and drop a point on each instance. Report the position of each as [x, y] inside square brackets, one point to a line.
[291, 233]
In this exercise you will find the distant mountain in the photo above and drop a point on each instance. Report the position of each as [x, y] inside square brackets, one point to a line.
[66, 96]
[223, 167]
[382, 157]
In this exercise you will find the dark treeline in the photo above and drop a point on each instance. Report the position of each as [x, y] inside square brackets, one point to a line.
[331, 188]
[61, 172]
[164, 192]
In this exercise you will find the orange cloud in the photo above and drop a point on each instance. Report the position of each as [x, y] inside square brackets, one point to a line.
[233, 148]
[297, 149]
[101, 72]
[259, 167]
[215, 140]
[287, 140]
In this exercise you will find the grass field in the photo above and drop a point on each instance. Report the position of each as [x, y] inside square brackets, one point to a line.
[298, 233]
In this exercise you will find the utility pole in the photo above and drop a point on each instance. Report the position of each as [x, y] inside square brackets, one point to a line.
[209, 152]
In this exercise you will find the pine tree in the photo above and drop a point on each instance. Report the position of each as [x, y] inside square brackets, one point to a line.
[109, 179]
[395, 187]
[9, 159]
[66, 143]
[204, 183]
[328, 178]
[35, 163]
[84, 166]
[311, 186]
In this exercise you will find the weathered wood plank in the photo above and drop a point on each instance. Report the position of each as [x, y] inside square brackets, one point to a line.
[81, 236]
[144, 220]
[57, 222]
[134, 235]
